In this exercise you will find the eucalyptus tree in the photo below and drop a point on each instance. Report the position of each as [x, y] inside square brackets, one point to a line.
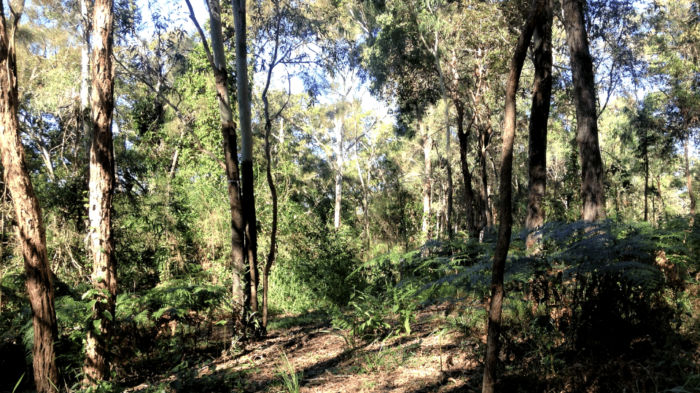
[243, 291]
[443, 41]
[101, 190]
[674, 38]
[32, 233]
[247, 178]
[283, 36]
[539, 115]
[536, 17]
[399, 69]
[592, 171]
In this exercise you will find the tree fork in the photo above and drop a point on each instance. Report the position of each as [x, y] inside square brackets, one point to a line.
[504, 230]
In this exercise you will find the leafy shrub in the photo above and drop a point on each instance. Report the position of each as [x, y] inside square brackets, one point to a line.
[315, 268]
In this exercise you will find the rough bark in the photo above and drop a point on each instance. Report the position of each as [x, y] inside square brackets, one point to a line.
[592, 173]
[31, 230]
[463, 136]
[427, 176]
[539, 115]
[242, 95]
[101, 188]
[504, 230]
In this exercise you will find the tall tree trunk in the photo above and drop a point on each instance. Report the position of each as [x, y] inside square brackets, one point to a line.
[504, 231]
[104, 275]
[450, 190]
[463, 136]
[427, 175]
[241, 278]
[646, 183]
[484, 138]
[448, 163]
[592, 173]
[270, 183]
[339, 149]
[689, 179]
[243, 93]
[539, 115]
[85, 78]
[32, 234]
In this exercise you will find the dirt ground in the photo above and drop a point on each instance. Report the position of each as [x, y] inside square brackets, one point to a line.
[430, 359]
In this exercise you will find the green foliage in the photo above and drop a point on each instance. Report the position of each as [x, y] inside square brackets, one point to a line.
[290, 378]
[315, 267]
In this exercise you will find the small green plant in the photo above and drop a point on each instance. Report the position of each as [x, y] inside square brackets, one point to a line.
[17, 384]
[290, 378]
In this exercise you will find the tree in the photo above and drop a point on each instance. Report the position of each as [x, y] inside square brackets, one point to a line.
[539, 115]
[101, 187]
[30, 222]
[241, 277]
[592, 171]
[537, 14]
[243, 96]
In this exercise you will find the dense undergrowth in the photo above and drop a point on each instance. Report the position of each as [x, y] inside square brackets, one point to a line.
[597, 307]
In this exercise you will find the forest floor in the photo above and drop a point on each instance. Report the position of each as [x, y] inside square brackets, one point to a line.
[430, 359]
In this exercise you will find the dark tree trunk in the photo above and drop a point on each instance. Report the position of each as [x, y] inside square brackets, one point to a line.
[504, 231]
[592, 173]
[646, 183]
[101, 187]
[689, 179]
[32, 234]
[242, 92]
[463, 136]
[273, 192]
[539, 115]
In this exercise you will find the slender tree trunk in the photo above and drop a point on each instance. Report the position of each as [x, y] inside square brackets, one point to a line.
[85, 78]
[339, 149]
[242, 93]
[271, 185]
[463, 136]
[484, 137]
[104, 276]
[592, 173]
[241, 279]
[689, 179]
[504, 232]
[450, 191]
[539, 115]
[31, 230]
[448, 163]
[646, 184]
[427, 175]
